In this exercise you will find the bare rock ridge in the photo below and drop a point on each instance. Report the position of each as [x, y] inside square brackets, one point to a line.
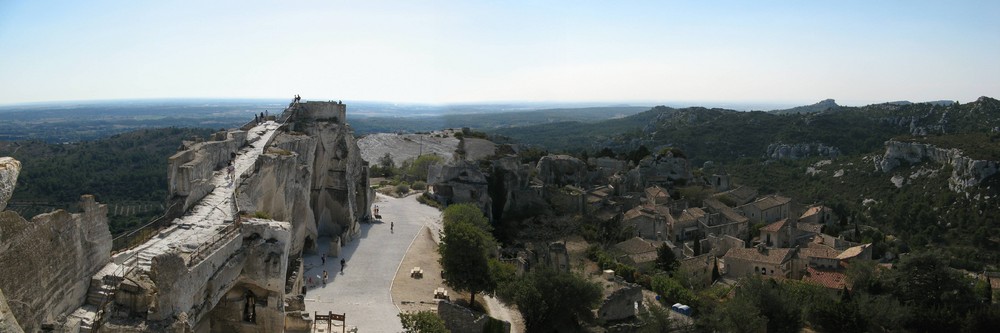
[965, 172]
[227, 260]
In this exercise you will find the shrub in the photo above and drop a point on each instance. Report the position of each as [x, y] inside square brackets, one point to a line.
[402, 188]
[419, 185]
[262, 215]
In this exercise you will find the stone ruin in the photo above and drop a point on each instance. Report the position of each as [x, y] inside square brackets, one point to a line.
[459, 319]
[213, 267]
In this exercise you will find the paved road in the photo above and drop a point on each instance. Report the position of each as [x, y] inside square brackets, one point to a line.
[361, 291]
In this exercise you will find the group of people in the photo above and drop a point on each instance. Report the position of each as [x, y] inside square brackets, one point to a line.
[297, 98]
[326, 276]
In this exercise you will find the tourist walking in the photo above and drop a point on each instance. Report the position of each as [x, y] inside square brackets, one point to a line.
[392, 225]
[342, 264]
[325, 276]
[323, 258]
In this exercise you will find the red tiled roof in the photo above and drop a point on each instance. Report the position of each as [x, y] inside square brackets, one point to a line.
[818, 252]
[771, 256]
[771, 201]
[635, 245]
[829, 279]
[774, 227]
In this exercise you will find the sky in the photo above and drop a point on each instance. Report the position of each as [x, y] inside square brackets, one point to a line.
[440, 52]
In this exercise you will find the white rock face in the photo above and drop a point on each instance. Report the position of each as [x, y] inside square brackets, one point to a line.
[46, 264]
[313, 177]
[9, 169]
[966, 172]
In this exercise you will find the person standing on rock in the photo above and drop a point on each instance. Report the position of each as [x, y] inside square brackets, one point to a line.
[230, 171]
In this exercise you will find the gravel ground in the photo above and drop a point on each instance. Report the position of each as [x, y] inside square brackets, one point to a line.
[406, 146]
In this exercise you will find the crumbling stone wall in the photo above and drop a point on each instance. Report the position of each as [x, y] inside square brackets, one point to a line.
[622, 303]
[189, 171]
[46, 264]
[460, 319]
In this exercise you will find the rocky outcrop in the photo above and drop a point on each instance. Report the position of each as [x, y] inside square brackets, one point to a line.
[801, 150]
[9, 169]
[966, 172]
[460, 182]
[47, 263]
[312, 175]
[7, 321]
[664, 169]
[560, 170]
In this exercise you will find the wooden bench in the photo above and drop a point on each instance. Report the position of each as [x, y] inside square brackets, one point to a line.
[417, 273]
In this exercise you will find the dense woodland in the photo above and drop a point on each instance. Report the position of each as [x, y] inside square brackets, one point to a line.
[121, 168]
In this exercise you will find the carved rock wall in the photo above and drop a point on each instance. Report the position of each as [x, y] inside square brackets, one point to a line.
[46, 264]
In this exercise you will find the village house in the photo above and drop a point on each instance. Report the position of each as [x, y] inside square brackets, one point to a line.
[685, 224]
[637, 252]
[832, 280]
[819, 215]
[698, 270]
[778, 234]
[723, 220]
[649, 221]
[759, 261]
[738, 196]
[768, 209]
[599, 197]
[656, 195]
[862, 251]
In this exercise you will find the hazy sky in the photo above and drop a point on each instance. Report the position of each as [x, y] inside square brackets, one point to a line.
[857, 52]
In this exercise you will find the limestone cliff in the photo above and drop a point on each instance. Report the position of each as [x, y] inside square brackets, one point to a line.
[966, 172]
[312, 175]
[48, 261]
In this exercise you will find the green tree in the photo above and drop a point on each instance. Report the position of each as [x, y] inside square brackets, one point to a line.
[465, 250]
[466, 212]
[418, 169]
[422, 322]
[665, 258]
[549, 299]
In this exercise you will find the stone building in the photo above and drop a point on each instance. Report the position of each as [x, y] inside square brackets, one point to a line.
[759, 261]
[649, 222]
[768, 209]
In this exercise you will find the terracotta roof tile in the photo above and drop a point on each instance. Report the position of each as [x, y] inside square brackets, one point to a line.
[771, 256]
[829, 279]
[774, 227]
